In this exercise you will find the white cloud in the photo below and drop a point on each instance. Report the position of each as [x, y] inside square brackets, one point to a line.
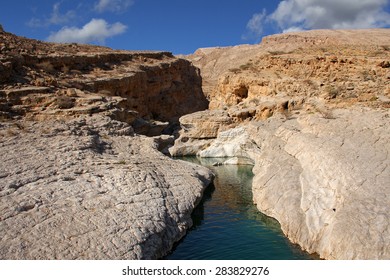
[255, 24]
[292, 29]
[254, 27]
[97, 30]
[115, 6]
[296, 15]
[56, 18]
[333, 14]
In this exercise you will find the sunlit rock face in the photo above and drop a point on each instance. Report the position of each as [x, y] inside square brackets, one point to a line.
[310, 110]
[77, 181]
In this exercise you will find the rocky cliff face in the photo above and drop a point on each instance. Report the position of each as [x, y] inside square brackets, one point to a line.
[343, 67]
[324, 180]
[310, 110]
[76, 180]
[214, 62]
[41, 80]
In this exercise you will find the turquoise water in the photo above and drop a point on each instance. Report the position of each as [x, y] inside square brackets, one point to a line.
[227, 226]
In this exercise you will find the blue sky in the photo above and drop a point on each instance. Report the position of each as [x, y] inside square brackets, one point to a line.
[182, 26]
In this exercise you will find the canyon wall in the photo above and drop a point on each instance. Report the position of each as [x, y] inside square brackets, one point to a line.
[77, 181]
[42, 79]
[310, 111]
[325, 180]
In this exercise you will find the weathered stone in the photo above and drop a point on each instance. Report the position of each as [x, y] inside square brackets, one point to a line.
[89, 187]
[204, 124]
[229, 143]
[157, 85]
[76, 182]
[324, 180]
[293, 65]
[238, 161]
[185, 146]
[321, 171]
[198, 130]
[75, 190]
[149, 128]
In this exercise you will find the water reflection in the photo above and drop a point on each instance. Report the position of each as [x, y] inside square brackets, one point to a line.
[228, 226]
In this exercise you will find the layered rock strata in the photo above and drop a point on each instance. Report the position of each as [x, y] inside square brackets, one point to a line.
[310, 111]
[324, 180]
[343, 67]
[41, 80]
[198, 130]
[77, 181]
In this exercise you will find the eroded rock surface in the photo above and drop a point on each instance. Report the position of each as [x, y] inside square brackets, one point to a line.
[198, 130]
[342, 66]
[44, 81]
[327, 182]
[77, 181]
[89, 189]
[310, 110]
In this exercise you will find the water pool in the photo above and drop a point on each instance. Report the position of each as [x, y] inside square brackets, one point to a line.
[227, 226]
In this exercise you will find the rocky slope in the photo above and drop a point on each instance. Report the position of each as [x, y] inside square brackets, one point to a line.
[214, 62]
[76, 181]
[341, 66]
[88, 189]
[311, 112]
[42, 80]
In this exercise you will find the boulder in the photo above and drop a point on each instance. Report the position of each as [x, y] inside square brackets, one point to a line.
[204, 124]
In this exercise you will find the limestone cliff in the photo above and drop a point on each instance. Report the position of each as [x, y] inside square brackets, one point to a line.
[325, 180]
[310, 110]
[42, 80]
[77, 181]
[215, 61]
[343, 67]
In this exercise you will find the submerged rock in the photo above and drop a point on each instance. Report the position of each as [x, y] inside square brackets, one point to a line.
[238, 161]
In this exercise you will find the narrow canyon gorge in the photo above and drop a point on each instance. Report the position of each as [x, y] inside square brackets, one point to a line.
[88, 134]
